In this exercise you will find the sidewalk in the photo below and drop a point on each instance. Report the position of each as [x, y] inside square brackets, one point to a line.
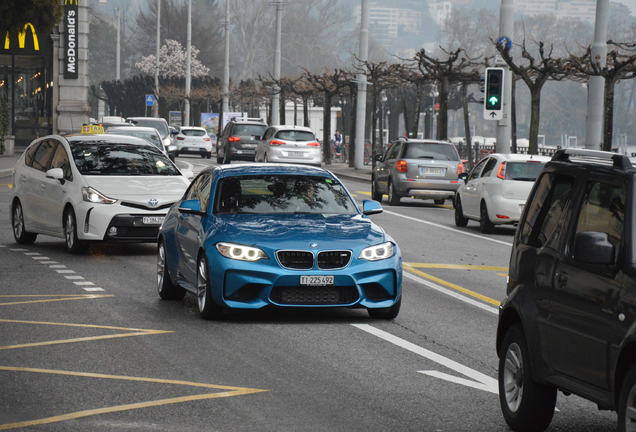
[7, 163]
[342, 170]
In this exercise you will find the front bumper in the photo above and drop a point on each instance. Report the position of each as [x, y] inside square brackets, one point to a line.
[255, 285]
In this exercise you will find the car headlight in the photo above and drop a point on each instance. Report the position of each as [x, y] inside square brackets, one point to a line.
[377, 252]
[240, 252]
[91, 195]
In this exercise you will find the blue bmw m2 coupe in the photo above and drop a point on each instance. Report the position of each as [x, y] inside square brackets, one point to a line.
[258, 235]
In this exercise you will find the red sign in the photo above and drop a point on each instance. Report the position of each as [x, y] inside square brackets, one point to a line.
[436, 107]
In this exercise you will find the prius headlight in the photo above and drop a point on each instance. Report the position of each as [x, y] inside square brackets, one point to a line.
[240, 252]
[378, 252]
[91, 195]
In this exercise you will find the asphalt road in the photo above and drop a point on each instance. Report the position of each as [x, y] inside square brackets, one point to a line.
[86, 344]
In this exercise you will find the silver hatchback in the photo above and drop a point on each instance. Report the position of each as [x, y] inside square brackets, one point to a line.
[292, 144]
[423, 169]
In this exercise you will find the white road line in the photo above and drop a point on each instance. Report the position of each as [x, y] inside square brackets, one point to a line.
[40, 258]
[444, 227]
[30, 253]
[76, 277]
[48, 262]
[83, 283]
[451, 293]
[67, 271]
[57, 266]
[18, 250]
[477, 379]
[3, 246]
[93, 289]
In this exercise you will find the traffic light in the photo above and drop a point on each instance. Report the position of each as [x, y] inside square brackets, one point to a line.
[493, 100]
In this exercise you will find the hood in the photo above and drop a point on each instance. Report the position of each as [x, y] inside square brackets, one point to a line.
[167, 187]
[298, 231]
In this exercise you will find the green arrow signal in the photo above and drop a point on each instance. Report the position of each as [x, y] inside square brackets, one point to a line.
[493, 100]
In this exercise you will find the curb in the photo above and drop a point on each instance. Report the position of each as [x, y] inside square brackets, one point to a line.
[6, 172]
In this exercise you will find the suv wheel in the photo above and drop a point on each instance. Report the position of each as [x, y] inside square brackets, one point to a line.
[375, 194]
[485, 224]
[460, 219]
[394, 196]
[526, 405]
[20, 234]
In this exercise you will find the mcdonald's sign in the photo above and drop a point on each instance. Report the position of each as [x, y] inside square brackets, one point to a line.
[11, 45]
[71, 48]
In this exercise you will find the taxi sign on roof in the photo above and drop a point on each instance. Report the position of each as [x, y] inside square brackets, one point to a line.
[92, 129]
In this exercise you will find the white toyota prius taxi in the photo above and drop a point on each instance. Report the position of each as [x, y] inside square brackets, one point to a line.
[86, 188]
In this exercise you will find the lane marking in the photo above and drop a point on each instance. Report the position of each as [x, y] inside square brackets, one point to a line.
[3, 246]
[74, 277]
[40, 258]
[453, 286]
[18, 250]
[457, 266]
[57, 266]
[56, 298]
[477, 379]
[30, 253]
[83, 283]
[65, 271]
[229, 391]
[90, 289]
[444, 227]
[48, 262]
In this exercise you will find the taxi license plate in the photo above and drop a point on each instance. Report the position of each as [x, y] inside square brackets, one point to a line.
[295, 154]
[152, 220]
[316, 280]
[432, 171]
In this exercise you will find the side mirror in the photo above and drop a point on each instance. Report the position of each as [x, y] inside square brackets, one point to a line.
[593, 248]
[378, 158]
[55, 173]
[463, 176]
[370, 207]
[191, 207]
[173, 131]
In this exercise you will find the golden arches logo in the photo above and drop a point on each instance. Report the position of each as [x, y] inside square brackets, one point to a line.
[22, 37]
[71, 2]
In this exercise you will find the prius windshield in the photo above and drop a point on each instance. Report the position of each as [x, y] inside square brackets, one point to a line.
[282, 194]
[120, 159]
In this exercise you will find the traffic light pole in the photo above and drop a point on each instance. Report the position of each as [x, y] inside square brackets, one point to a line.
[506, 22]
[596, 84]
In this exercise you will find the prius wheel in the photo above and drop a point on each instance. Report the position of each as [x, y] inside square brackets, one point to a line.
[208, 309]
[526, 405]
[73, 244]
[167, 289]
[386, 313]
[21, 235]
[394, 196]
[485, 224]
[460, 219]
[375, 194]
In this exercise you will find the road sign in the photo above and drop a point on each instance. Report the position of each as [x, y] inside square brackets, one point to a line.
[493, 100]
[150, 100]
[505, 42]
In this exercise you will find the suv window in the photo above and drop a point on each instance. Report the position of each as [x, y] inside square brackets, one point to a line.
[543, 224]
[603, 210]
[490, 166]
[43, 155]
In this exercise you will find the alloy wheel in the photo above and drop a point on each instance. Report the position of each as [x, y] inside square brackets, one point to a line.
[202, 284]
[513, 378]
[69, 230]
[18, 221]
[161, 265]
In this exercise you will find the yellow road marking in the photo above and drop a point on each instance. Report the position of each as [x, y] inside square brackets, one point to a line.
[457, 266]
[502, 274]
[9, 185]
[385, 195]
[230, 391]
[60, 297]
[131, 332]
[452, 286]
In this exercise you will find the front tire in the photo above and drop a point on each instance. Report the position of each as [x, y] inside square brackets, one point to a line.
[394, 196]
[485, 224]
[460, 220]
[527, 406]
[73, 244]
[208, 309]
[166, 289]
[375, 193]
[388, 313]
[20, 234]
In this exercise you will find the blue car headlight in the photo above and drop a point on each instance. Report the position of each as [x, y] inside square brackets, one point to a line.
[378, 252]
[240, 252]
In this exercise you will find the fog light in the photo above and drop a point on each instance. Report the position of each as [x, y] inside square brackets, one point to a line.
[112, 231]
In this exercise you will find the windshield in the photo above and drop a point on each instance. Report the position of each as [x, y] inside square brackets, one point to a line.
[282, 194]
[193, 132]
[295, 135]
[158, 124]
[523, 171]
[435, 151]
[249, 130]
[151, 137]
[105, 158]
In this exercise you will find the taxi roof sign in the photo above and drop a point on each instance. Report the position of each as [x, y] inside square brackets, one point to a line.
[92, 129]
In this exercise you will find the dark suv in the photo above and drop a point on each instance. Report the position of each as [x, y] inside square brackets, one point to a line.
[239, 139]
[569, 320]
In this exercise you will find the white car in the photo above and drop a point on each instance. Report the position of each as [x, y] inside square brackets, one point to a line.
[93, 187]
[292, 144]
[193, 140]
[496, 190]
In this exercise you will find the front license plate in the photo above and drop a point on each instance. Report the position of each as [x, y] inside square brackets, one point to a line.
[432, 171]
[152, 220]
[295, 154]
[316, 280]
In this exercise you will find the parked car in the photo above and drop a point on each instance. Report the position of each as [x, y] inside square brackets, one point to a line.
[253, 236]
[86, 188]
[158, 123]
[417, 168]
[291, 144]
[568, 322]
[496, 190]
[239, 139]
[193, 140]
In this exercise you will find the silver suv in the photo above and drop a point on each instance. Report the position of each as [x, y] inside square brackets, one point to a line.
[417, 168]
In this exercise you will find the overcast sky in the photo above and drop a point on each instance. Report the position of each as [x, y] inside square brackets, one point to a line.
[631, 4]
